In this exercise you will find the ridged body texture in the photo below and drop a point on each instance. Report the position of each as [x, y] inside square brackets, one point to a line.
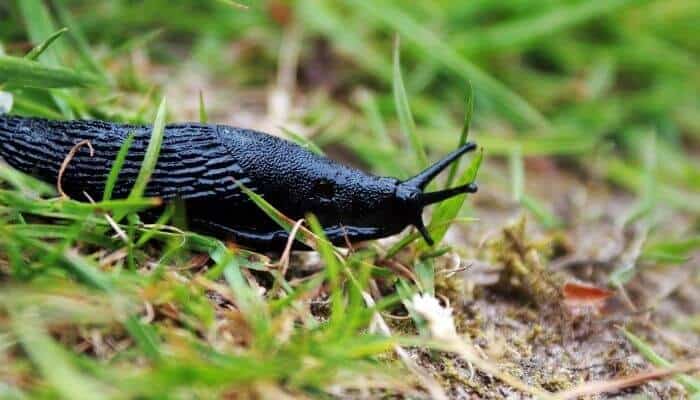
[201, 164]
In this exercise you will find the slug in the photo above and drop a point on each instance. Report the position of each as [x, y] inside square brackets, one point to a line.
[204, 164]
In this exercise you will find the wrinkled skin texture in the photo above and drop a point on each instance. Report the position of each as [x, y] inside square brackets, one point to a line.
[201, 164]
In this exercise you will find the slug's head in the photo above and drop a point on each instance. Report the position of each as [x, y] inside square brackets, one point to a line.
[411, 198]
[354, 206]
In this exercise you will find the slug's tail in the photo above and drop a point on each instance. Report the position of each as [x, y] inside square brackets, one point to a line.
[422, 180]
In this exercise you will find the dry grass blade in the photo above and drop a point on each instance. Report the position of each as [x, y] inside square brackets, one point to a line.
[284, 258]
[378, 324]
[614, 385]
[67, 160]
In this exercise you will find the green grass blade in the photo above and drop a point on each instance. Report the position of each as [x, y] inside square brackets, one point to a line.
[675, 251]
[22, 72]
[136, 42]
[39, 50]
[303, 235]
[649, 196]
[303, 142]
[333, 272]
[517, 175]
[30, 107]
[117, 166]
[269, 210]
[425, 274]
[449, 209]
[321, 16]
[40, 25]
[144, 336]
[431, 45]
[468, 112]
[403, 109]
[517, 172]
[627, 175]
[690, 383]
[521, 32]
[203, 118]
[78, 37]
[366, 100]
[251, 304]
[234, 4]
[52, 360]
[86, 270]
[150, 159]
[24, 183]
[541, 212]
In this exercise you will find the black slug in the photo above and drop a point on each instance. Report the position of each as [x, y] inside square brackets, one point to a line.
[202, 163]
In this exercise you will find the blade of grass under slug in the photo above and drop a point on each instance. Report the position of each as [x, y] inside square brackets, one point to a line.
[145, 337]
[248, 301]
[150, 159]
[53, 232]
[117, 166]
[82, 268]
[162, 220]
[38, 50]
[403, 109]
[152, 152]
[690, 383]
[333, 272]
[468, 112]
[304, 235]
[24, 183]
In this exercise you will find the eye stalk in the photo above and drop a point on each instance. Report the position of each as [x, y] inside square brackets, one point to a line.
[410, 192]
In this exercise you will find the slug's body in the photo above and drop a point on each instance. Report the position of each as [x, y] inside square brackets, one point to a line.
[205, 164]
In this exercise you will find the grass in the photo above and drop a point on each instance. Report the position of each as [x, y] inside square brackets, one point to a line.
[584, 112]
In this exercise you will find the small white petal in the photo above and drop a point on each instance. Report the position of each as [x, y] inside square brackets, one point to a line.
[6, 100]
